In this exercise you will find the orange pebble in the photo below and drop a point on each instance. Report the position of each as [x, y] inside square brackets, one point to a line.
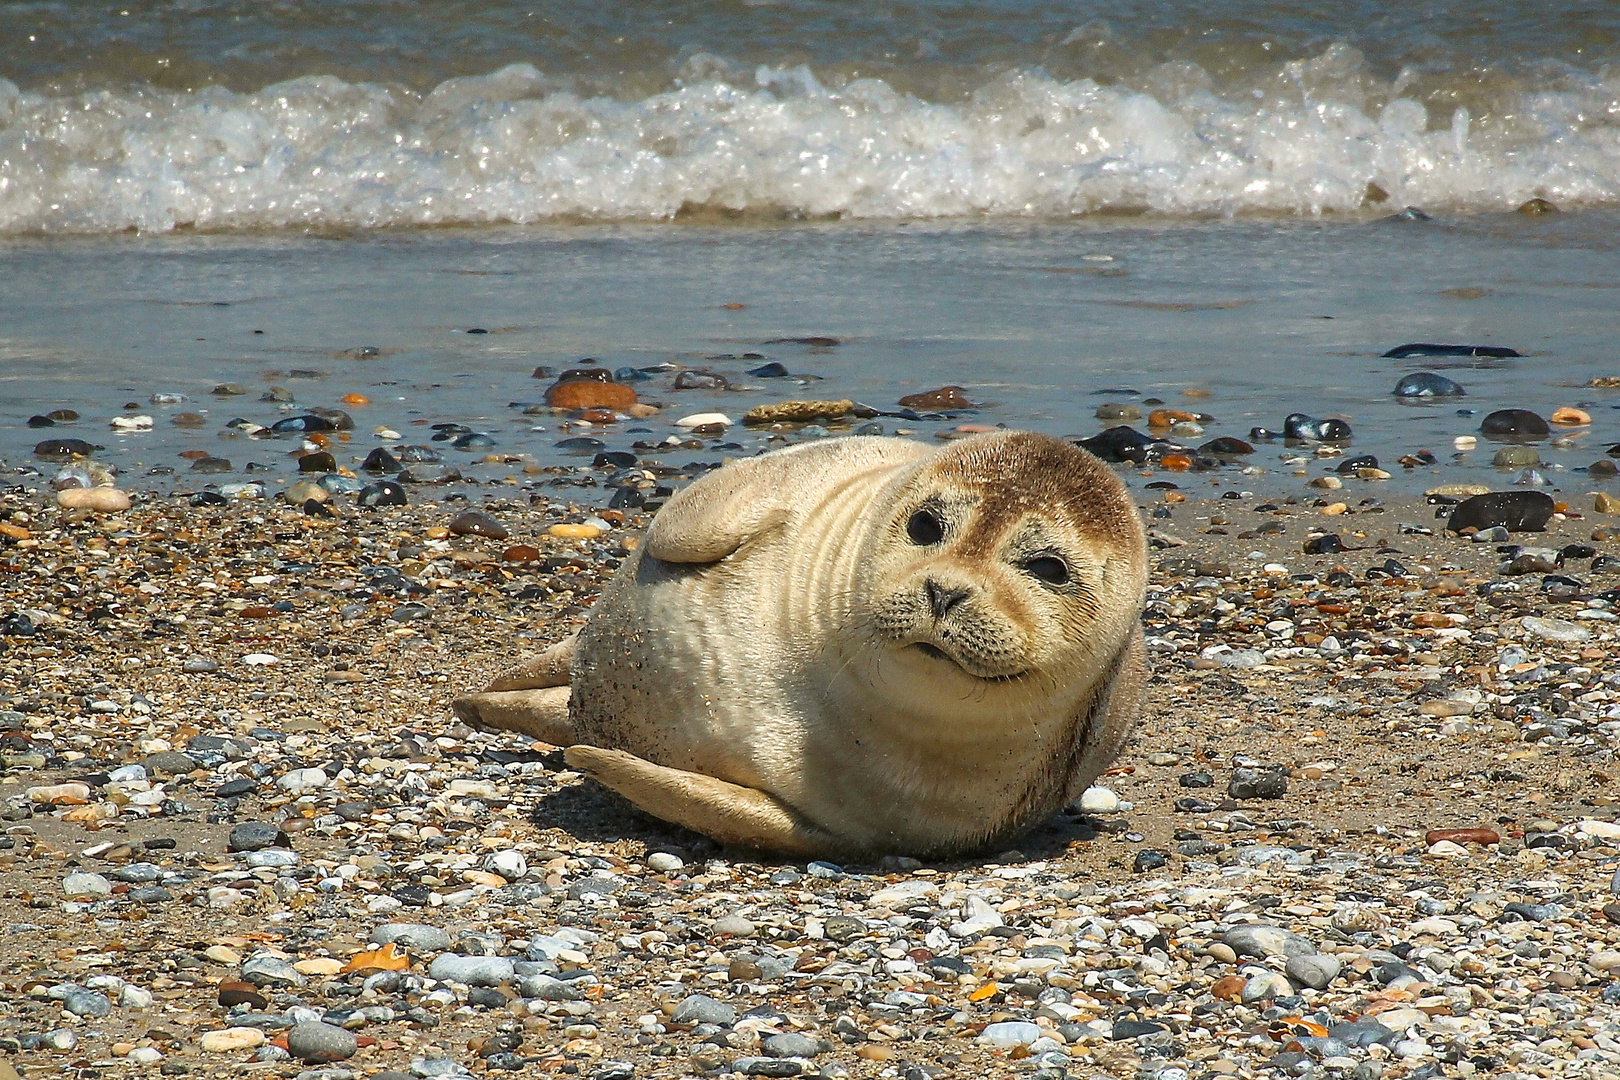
[1176, 462]
[1168, 417]
[598, 416]
[1174, 497]
[318, 439]
[734, 306]
[355, 399]
[1570, 417]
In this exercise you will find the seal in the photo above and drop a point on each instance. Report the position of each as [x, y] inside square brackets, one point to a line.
[857, 646]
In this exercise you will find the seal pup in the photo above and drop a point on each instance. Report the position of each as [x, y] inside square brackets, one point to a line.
[857, 646]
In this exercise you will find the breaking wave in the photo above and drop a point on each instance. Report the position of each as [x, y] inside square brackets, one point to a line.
[1320, 136]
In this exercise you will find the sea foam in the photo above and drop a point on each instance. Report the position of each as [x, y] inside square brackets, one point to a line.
[518, 146]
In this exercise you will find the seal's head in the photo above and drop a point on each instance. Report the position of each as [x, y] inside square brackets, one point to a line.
[1010, 568]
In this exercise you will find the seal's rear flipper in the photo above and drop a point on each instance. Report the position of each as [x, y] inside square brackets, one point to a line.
[546, 668]
[731, 814]
[539, 714]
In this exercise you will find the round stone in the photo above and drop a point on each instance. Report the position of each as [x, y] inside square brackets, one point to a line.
[1315, 971]
[1260, 940]
[734, 926]
[317, 1042]
[254, 836]
[1098, 800]
[86, 887]
[702, 1009]
[417, 937]
[664, 863]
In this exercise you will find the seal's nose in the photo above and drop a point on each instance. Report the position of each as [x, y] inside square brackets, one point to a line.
[941, 599]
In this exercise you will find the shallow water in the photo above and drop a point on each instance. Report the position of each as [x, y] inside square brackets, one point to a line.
[1032, 318]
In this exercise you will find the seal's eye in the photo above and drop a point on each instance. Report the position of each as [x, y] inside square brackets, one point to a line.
[1049, 568]
[925, 528]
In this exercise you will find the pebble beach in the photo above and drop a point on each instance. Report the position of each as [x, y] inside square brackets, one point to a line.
[1365, 828]
[347, 350]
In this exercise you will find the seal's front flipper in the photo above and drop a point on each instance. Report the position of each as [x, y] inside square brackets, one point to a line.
[546, 668]
[539, 714]
[731, 814]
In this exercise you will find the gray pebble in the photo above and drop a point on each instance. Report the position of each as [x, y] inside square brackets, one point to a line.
[791, 1044]
[318, 1042]
[471, 970]
[1257, 784]
[417, 937]
[1315, 971]
[254, 836]
[1260, 940]
[1266, 986]
[81, 1002]
[702, 1009]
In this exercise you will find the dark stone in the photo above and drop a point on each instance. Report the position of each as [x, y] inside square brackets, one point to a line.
[772, 370]
[1421, 348]
[256, 836]
[1360, 461]
[417, 454]
[613, 459]
[340, 420]
[381, 461]
[212, 465]
[1257, 784]
[818, 342]
[17, 624]
[318, 462]
[63, 449]
[1149, 859]
[1226, 446]
[1125, 1029]
[169, 763]
[38, 421]
[306, 422]
[1324, 545]
[1516, 511]
[1426, 384]
[1514, 423]
[232, 789]
[1197, 780]
[1125, 443]
[487, 997]
[473, 440]
[475, 523]
[1303, 428]
[701, 380]
[382, 493]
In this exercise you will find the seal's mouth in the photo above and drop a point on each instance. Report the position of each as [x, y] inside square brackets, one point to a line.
[936, 653]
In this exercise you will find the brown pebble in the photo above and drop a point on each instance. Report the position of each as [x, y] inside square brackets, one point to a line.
[1533, 207]
[743, 971]
[318, 462]
[189, 420]
[520, 553]
[589, 394]
[235, 992]
[473, 523]
[1228, 987]
[1462, 836]
[946, 397]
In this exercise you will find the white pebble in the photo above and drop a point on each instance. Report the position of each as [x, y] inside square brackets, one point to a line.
[1099, 800]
